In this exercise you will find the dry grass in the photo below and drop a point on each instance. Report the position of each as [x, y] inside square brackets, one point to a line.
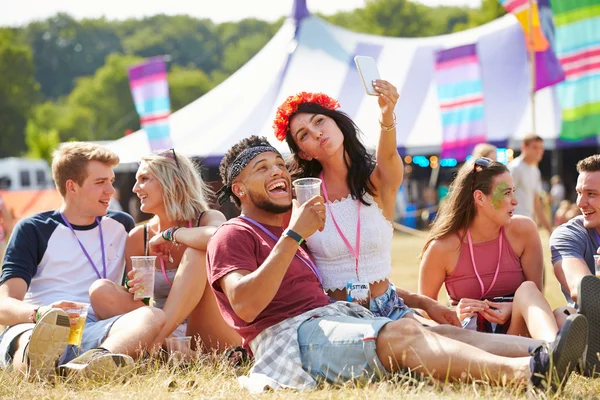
[211, 379]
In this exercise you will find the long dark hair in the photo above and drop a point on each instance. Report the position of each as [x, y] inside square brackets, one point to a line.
[458, 210]
[359, 162]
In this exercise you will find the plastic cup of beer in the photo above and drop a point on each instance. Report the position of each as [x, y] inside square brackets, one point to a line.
[179, 347]
[143, 267]
[306, 189]
[597, 264]
[77, 315]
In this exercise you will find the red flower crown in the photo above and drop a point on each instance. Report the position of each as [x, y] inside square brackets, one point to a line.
[290, 106]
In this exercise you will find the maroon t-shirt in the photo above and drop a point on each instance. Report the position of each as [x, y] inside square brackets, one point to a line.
[239, 245]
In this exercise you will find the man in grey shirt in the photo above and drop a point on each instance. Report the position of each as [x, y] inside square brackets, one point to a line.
[573, 246]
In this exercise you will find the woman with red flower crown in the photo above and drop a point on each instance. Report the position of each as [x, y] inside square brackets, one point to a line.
[353, 252]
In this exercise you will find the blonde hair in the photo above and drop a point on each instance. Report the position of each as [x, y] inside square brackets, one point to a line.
[70, 161]
[184, 192]
[484, 150]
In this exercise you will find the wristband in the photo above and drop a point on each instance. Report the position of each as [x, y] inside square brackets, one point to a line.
[388, 128]
[35, 315]
[293, 235]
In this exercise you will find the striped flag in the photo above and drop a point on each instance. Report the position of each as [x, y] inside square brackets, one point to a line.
[150, 91]
[548, 70]
[460, 94]
[578, 48]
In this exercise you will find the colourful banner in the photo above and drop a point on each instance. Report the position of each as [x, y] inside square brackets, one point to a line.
[150, 91]
[548, 69]
[460, 94]
[578, 48]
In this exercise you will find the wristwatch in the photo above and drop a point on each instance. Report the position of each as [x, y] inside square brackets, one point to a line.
[293, 235]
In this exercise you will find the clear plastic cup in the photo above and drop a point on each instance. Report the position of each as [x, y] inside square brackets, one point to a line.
[306, 189]
[179, 347]
[144, 271]
[77, 323]
[597, 264]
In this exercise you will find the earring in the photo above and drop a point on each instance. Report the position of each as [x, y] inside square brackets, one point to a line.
[241, 193]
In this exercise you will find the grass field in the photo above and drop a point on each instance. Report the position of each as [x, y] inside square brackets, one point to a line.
[211, 379]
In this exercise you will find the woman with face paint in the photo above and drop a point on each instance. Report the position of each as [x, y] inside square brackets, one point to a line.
[169, 187]
[490, 260]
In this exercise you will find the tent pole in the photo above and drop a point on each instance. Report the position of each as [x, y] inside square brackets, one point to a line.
[531, 53]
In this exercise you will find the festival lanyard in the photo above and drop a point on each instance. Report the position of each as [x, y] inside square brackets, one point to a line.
[483, 291]
[85, 251]
[355, 252]
[308, 263]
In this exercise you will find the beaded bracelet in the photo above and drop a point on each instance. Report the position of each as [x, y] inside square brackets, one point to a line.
[388, 128]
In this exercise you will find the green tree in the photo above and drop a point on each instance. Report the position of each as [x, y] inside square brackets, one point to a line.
[487, 12]
[186, 85]
[18, 92]
[65, 49]
[40, 143]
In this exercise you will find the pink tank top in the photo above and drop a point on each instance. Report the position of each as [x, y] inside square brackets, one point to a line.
[463, 282]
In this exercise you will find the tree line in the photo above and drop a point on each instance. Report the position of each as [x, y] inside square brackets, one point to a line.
[66, 79]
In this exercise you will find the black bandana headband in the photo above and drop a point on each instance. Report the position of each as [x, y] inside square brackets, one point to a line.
[238, 166]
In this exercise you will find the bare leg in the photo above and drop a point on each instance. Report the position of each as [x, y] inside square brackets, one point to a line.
[188, 288]
[135, 332]
[560, 314]
[108, 299]
[18, 363]
[501, 345]
[532, 315]
[404, 343]
[206, 322]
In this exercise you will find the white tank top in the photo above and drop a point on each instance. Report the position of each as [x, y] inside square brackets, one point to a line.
[333, 258]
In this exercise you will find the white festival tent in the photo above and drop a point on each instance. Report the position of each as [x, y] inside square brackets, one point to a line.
[310, 54]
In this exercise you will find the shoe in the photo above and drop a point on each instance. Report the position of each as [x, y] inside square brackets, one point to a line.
[47, 342]
[98, 363]
[588, 302]
[552, 363]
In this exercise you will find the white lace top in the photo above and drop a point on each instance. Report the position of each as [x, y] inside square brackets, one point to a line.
[333, 258]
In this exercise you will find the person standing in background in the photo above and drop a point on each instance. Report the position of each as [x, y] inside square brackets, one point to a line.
[528, 180]
[485, 150]
[557, 193]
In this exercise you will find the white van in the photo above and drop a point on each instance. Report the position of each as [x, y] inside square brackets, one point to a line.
[24, 174]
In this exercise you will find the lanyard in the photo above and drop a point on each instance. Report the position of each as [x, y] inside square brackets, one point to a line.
[483, 291]
[85, 251]
[308, 263]
[355, 252]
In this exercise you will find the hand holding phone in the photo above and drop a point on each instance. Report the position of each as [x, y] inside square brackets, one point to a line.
[367, 68]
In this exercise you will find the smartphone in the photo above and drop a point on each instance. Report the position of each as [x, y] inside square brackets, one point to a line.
[367, 68]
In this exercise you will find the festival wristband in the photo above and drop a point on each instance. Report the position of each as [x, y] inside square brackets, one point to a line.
[293, 235]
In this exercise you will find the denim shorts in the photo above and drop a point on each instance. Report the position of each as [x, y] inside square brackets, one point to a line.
[94, 333]
[389, 305]
[339, 348]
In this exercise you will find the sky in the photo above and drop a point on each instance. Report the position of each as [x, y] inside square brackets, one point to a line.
[21, 12]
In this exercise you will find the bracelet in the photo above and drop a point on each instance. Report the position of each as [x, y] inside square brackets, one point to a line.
[175, 242]
[167, 234]
[35, 315]
[293, 235]
[388, 128]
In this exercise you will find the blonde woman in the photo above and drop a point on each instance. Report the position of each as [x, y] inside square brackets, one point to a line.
[169, 186]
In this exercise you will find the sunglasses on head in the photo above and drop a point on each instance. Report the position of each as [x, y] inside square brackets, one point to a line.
[171, 154]
[479, 165]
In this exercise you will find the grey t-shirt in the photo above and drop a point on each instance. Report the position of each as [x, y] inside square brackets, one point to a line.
[573, 240]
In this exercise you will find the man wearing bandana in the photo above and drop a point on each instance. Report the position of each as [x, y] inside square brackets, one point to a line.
[269, 290]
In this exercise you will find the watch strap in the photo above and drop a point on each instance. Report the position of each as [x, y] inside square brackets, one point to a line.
[293, 235]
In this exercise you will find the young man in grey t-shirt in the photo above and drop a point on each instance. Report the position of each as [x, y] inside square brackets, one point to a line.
[573, 246]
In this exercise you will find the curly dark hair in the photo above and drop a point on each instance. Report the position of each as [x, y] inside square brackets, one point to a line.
[232, 154]
[359, 162]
